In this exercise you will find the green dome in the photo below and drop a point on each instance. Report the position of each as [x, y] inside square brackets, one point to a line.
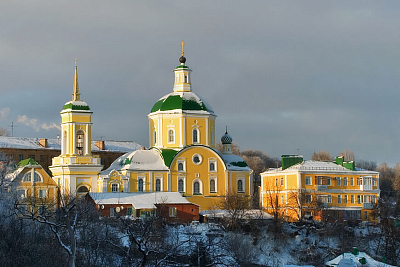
[185, 101]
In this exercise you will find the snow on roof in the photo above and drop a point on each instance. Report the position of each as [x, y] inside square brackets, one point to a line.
[249, 214]
[356, 260]
[55, 144]
[138, 160]
[234, 162]
[139, 200]
[323, 166]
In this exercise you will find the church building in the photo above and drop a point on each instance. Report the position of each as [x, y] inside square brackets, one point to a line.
[182, 156]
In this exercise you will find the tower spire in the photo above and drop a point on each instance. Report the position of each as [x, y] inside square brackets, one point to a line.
[76, 94]
[182, 44]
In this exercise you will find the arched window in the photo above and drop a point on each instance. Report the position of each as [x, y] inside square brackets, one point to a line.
[180, 185]
[196, 188]
[140, 185]
[171, 136]
[82, 190]
[64, 140]
[37, 177]
[158, 185]
[154, 137]
[195, 135]
[27, 177]
[240, 186]
[212, 166]
[212, 185]
[180, 166]
[212, 136]
[80, 142]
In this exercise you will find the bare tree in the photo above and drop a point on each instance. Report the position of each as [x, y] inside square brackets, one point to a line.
[347, 155]
[300, 201]
[4, 132]
[236, 205]
[321, 155]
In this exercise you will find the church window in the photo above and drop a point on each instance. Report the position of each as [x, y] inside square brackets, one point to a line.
[240, 186]
[212, 166]
[114, 188]
[196, 188]
[195, 136]
[37, 177]
[196, 159]
[181, 186]
[82, 189]
[65, 143]
[181, 165]
[80, 141]
[154, 137]
[212, 137]
[212, 186]
[171, 136]
[158, 185]
[140, 185]
[186, 79]
[27, 177]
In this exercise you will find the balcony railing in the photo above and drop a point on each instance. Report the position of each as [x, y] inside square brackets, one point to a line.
[321, 187]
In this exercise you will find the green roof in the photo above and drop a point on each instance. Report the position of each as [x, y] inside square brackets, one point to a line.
[176, 101]
[25, 162]
[75, 107]
[239, 164]
[182, 67]
[168, 155]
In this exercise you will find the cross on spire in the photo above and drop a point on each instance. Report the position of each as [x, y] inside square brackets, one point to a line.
[76, 94]
[182, 44]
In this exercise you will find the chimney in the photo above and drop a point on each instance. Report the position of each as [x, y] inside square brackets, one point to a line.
[100, 145]
[43, 142]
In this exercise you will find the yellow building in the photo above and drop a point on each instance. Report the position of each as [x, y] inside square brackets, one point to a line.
[182, 157]
[32, 187]
[76, 169]
[323, 190]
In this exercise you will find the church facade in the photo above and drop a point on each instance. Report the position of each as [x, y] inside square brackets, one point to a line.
[182, 156]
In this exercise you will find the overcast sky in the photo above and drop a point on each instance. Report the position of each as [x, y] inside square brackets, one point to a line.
[283, 75]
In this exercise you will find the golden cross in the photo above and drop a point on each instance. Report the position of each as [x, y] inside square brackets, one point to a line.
[182, 47]
[75, 62]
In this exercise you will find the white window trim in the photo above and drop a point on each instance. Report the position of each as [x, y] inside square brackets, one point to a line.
[241, 178]
[184, 165]
[172, 211]
[209, 185]
[46, 193]
[41, 177]
[338, 181]
[112, 188]
[215, 165]
[310, 183]
[184, 184]
[195, 128]
[144, 183]
[161, 183]
[200, 186]
[200, 157]
[168, 136]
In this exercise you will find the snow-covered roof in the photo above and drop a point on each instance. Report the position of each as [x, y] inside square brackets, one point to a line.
[138, 160]
[139, 200]
[356, 260]
[187, 102]
[55, 144]
[234, 162]
[319, 166]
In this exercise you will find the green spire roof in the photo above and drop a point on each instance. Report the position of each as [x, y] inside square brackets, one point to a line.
[76, 105]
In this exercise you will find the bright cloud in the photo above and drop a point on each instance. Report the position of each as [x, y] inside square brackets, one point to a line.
[4, 112]
[34, 123]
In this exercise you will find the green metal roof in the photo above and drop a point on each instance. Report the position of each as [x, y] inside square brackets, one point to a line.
[168, 155]
[182, 67]
[25, 162]
[177, 101]
[75, 107]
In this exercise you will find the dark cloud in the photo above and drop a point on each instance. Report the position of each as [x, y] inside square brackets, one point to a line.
[282, 75]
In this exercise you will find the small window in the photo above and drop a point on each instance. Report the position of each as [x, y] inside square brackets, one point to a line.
[308, 180]
[195, 136]
[197, 159]
[308, 199]
[352, 181]
[172, 211]
[345, 181]
[212, 186]
[181, 166]
[359, 200]
[20, 157]
[276, 181]
[42, 193]
[113, 213]
[212, 137]
[186, 79]
[80, 142]
[281, 181]
[158, 185]
[346, 200]
[129, 211]
[339, 199]
[114, 188]
[171, 136]
[181, 186]
[281, 199]
[212, 166]
[352, 199]
[328, 180]
[140, 185]
[329, 199]
[338, 181]
[240, 186]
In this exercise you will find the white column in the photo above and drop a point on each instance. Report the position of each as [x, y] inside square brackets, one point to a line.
[169, 182]
[184, 131]
[87, 140]
[181, 132]
[207, 131]
[160, 132]
[151, 181]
